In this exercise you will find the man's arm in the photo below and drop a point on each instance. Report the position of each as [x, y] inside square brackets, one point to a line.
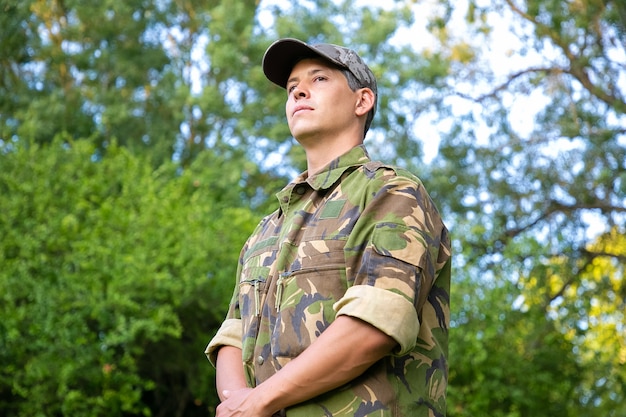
[229, 374]
[342, 352]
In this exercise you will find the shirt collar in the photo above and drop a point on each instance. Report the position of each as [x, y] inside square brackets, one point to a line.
[331, 173]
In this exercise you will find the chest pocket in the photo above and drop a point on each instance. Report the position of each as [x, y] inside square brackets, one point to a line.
[305, 295]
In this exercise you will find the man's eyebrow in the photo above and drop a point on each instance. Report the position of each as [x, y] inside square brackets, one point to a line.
[311, 72]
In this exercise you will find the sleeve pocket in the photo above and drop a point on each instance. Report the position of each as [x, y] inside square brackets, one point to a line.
[400, 242]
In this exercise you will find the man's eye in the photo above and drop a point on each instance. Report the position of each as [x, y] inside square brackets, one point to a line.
[291, 88]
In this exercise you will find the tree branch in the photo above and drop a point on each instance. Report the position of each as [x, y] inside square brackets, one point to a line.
[509, 81]
[557, 207]
[576, 69]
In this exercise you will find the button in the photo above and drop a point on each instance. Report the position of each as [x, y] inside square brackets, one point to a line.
[260, 360]
[300, 190]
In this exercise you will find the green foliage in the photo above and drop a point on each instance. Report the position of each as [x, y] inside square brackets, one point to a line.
[511, 362]
[92, 69]
[530, 205]
[113, 277]
[116, 263]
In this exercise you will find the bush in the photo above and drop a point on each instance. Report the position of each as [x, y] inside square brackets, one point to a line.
[113, 277]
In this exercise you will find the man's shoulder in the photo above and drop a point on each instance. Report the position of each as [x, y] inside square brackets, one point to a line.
[387, 172]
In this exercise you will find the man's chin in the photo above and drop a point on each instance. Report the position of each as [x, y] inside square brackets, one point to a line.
[304, 134]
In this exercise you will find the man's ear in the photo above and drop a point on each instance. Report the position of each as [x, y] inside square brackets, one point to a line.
[366, 101]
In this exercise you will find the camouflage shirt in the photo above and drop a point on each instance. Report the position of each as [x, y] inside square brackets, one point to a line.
[362, 239]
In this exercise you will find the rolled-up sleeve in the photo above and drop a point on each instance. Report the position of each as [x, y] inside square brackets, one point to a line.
[229, 334]
[389, 312]
[390, 277]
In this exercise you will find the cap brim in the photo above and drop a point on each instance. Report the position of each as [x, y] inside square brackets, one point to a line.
[282, 55]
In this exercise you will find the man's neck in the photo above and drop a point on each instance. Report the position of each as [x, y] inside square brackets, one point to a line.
[320, 155]
[322, 148]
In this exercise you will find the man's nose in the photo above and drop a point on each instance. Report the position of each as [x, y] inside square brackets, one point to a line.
[299, 92]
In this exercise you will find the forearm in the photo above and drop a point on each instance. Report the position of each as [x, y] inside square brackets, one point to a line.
[229, 373]
[344, 351]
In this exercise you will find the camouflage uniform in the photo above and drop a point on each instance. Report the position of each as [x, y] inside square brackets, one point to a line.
[362, 239]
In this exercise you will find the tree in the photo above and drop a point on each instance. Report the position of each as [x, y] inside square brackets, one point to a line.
[88, 69]
[113, 277]
[530, 200]
[128, 72]
[507, 361]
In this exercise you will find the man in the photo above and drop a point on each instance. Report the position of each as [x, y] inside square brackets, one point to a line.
[341, 306]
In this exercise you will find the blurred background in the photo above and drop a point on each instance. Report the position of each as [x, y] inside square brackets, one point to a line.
[140, 144]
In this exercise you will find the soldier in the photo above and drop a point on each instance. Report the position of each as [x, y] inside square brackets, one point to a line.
[341, 306]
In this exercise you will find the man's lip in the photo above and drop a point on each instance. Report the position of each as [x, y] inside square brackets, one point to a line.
[297, 109]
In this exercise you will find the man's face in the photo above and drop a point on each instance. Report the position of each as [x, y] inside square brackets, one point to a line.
[320, 104]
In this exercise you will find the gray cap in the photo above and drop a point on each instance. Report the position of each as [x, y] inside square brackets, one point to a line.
[282, 55]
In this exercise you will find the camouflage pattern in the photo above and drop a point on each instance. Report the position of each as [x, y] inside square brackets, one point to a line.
[363, 239]
[281, 56]
[349, 59]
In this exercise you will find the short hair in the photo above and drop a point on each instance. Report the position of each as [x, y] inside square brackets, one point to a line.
[354, 85]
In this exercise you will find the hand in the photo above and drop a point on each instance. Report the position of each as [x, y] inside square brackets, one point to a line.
[239, 403]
